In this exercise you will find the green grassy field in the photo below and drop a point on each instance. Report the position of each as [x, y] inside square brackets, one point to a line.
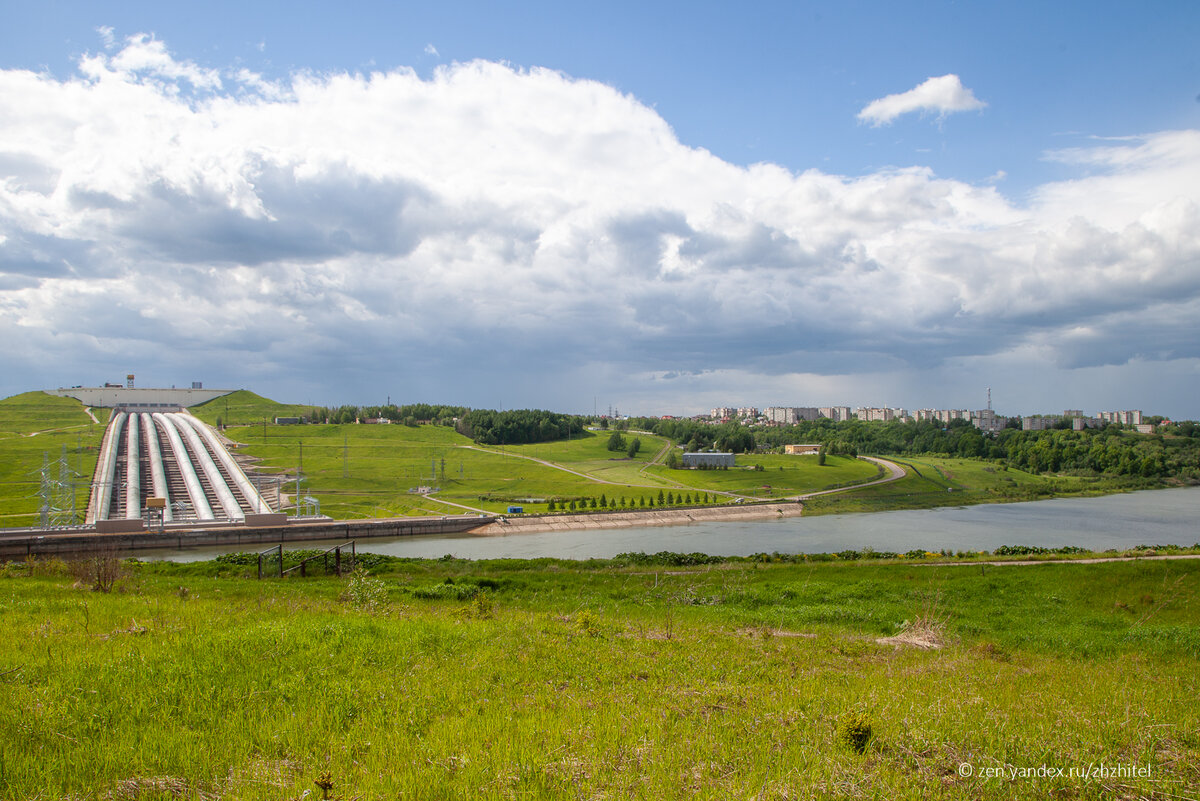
[550, 679]
[936, 481]
[367, 471]
[36, 428]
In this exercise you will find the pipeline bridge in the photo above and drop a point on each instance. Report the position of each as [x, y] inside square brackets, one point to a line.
[171, 456]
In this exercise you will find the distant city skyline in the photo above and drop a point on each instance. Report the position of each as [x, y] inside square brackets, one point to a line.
[667, 207]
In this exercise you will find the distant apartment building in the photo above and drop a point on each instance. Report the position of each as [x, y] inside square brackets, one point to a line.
[789, 415]
[874, 414]
[1126, 418]
[780, 415]
[723, 413]
[747, 413]
[802, 450]
[836, 413]
[1043, 422]
[988, 421]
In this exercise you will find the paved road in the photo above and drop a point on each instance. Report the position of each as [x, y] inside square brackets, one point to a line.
[895, 473]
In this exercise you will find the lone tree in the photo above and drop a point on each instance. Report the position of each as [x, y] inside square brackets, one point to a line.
[634, 446]
[616, 442]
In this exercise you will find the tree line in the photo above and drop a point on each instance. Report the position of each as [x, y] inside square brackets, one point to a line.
[518, 426]
[409, 414]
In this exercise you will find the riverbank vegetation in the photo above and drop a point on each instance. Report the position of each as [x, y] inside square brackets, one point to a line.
[432, 679]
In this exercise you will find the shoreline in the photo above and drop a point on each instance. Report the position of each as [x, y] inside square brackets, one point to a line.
[638, 519]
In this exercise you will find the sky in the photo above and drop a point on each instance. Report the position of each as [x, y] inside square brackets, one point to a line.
[654, 208]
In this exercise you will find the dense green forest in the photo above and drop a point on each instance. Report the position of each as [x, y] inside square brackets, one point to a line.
[410, 414]
[518, 426]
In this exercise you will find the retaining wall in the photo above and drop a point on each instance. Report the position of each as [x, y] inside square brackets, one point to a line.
[74, 543]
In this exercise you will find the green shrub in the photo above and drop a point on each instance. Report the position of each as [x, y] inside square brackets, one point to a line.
[854, 731]
[365, 592]
[447, 592]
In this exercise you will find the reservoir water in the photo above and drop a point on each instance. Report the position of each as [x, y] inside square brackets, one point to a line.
[1157, 517]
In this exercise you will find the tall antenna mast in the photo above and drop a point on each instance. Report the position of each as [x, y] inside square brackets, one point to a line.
[989, 399]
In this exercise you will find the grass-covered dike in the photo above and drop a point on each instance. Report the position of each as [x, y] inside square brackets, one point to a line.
[644, 676]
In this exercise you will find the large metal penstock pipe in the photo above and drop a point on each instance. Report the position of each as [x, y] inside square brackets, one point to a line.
[228, 503]
[158, 474]
[133, 470]
[232, 467]
[106, 468]
[190, 481]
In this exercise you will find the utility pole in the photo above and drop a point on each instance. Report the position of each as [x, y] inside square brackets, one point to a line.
[299, 467]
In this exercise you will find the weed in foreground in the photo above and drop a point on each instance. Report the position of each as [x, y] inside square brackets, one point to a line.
[481, 607]
[100, 570]
[588, 623]
[854, 731]
[325, 782]
[364, 592]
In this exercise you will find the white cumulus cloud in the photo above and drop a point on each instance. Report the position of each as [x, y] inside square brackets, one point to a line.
[490, 226]
[942, 95]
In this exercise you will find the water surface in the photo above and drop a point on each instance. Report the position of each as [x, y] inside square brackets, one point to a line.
[1167, 517]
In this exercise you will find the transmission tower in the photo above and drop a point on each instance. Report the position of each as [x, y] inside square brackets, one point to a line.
[56, 507]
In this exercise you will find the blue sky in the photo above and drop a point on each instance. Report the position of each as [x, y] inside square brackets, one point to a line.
[659, 207]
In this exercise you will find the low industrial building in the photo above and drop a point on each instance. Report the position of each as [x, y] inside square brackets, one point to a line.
[802, 450]
[708, 460]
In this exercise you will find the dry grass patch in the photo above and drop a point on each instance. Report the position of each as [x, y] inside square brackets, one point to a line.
[767, 632]
[923, 634]
[157, 787]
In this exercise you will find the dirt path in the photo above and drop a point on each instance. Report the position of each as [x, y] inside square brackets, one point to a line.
[558, 467]
[459, 505]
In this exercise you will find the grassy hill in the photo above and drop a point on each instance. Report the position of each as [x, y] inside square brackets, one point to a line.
[246, 408]
[32, 412]
[36, 428]
[551, 679]
[932, 481]
[368, 470]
